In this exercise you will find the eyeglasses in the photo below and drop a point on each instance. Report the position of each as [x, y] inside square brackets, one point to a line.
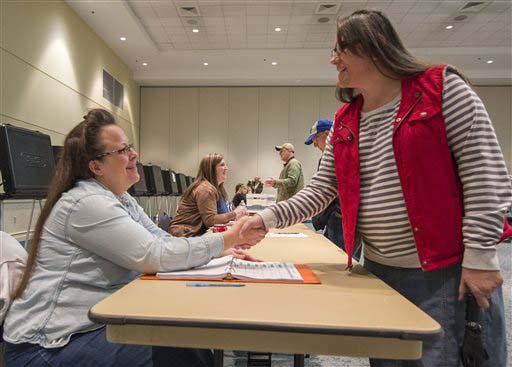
[127, 149]
[340, 48]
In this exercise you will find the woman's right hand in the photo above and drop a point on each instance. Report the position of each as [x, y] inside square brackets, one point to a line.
[232, 237]
[240, 212]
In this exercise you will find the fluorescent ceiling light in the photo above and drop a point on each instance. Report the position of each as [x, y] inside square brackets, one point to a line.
[123, 38]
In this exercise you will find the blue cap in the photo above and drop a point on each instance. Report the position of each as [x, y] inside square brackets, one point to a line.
[318, 127]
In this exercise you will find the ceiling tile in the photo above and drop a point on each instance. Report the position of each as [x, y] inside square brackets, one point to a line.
[165, 46]
[233, 10]
[303, 8]
[257, 9]
[279, 20]
[378, 5]
[166, 11]
[300, 19]
[257, 20]
[298, 28]
[349, 7]
[234, 20]
[176, 30]
[213, 21]
[172, 22]
[498, 7]
[217, 38]
[423, 7]
[256, 37]
[316, 37]
[211, 10]
[257, 28]
[280, 8]
[216, 29]
[321, 28]
[137, 4]
[300, 39]
[294, 44]
[399, 7]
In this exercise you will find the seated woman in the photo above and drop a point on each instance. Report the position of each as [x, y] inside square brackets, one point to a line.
[205, 201]
[241, 195]
[91, 239]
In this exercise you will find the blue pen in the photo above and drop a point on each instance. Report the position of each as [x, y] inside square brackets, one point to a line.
[194, 284]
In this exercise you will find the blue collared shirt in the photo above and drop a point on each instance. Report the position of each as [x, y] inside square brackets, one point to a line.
[92, 244]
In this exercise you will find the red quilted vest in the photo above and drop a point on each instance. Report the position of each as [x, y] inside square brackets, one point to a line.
[428, 173]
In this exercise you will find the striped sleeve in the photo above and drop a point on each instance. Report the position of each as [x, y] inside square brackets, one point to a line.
[309, 201]
[486, 184]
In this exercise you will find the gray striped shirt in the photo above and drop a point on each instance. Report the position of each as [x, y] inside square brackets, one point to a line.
[383, 222]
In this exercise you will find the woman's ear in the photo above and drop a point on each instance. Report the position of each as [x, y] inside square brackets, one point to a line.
[96, 167]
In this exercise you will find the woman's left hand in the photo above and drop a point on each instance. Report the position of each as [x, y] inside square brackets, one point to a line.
[480, 283]
[240, 254]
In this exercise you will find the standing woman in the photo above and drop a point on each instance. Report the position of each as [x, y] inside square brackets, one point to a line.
[91, 239]
[421, 180]
[205, 202]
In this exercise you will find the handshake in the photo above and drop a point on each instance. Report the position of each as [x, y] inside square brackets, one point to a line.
[245, 233]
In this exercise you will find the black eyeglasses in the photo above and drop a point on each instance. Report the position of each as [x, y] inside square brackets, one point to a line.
[340, 48]
[127, 149]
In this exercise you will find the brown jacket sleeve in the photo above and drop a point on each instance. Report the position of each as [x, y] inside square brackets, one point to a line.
[206, 198]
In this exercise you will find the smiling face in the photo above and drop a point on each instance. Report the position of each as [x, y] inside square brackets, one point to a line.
[221, 171]
[116, 171]
[352, 67]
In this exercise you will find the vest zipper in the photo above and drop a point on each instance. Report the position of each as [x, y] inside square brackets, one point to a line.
[401, 119]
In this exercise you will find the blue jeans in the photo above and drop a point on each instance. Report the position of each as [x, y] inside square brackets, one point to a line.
[436, 292]
[334, 232]
[93, 349]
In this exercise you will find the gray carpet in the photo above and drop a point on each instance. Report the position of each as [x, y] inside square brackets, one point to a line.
[279, 360]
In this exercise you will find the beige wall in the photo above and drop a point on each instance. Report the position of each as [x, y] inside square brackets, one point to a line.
[180, 125]
[51, 74]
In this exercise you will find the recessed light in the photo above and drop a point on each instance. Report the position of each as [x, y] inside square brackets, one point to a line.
[195, 30]
[277, 29]
[144, 64]
[122, 38]
[449, 27]
[274, 63]
[205, 63]
[490, 61]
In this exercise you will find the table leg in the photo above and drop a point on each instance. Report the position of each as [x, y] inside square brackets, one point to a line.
[298, 360]
[218, 358]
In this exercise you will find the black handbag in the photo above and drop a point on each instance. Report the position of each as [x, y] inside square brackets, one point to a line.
[473, 351]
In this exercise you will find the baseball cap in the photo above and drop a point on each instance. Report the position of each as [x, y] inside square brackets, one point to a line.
[318, 127]
[287, 146]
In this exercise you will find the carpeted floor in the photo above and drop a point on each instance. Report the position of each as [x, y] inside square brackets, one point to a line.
[279, 360]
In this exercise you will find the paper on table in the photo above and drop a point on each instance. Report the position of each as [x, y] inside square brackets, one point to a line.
[286, 234]
[229, 267]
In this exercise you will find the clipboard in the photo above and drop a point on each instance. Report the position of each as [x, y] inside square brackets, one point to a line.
[307, 275]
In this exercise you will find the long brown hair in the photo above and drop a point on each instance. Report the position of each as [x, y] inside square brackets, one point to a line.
[207, 172]
[80, 147]
[371, 33]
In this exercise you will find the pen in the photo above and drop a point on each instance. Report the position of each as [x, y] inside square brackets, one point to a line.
[194, 284]
[286, 232]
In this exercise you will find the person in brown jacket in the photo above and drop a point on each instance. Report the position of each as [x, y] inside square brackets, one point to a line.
[204, 203]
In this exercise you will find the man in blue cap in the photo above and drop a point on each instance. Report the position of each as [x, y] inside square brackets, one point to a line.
[330, 218]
